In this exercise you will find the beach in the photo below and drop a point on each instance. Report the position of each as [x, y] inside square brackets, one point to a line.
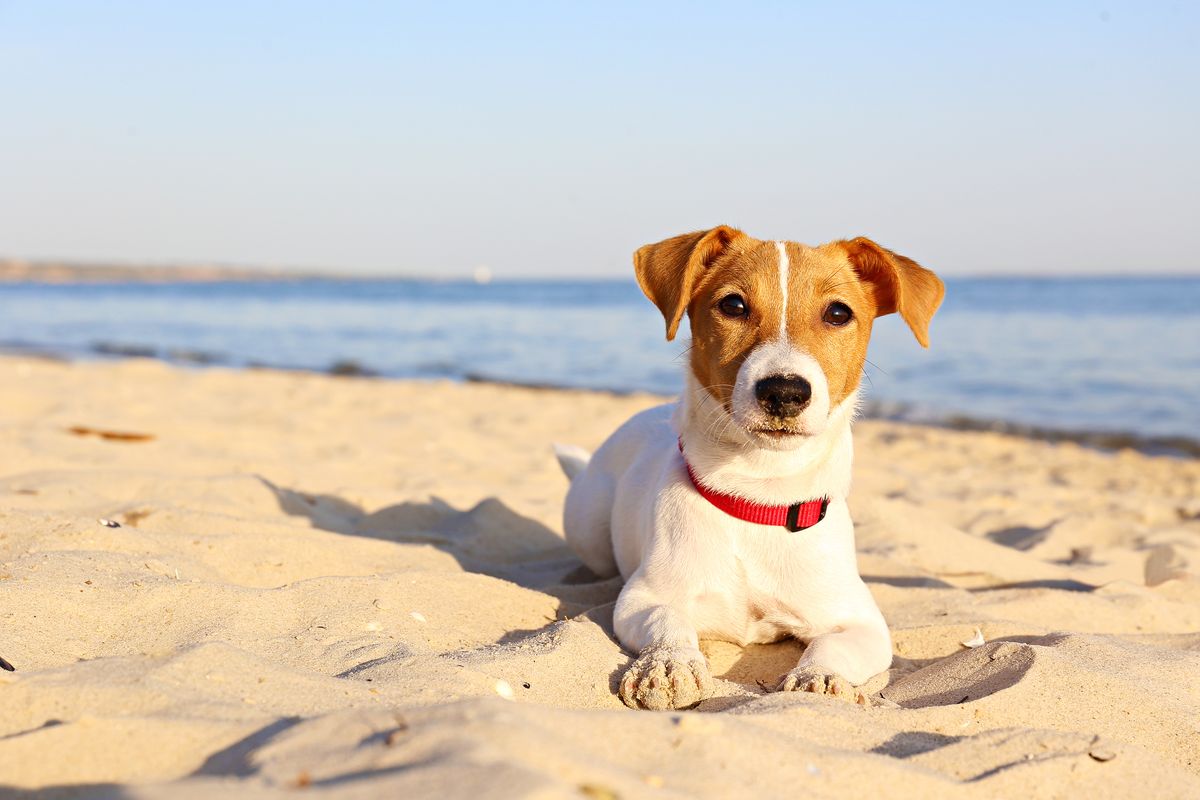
[260, 581]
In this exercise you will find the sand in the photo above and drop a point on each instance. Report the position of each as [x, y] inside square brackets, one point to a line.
[359, 587]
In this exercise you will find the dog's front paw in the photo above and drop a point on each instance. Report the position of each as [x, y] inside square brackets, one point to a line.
[817, 681]
[664, 678]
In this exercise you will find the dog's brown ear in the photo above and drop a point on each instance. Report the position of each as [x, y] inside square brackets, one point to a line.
[669, 270]
[898, 284]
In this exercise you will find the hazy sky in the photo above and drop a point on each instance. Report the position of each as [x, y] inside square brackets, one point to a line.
[555, 138]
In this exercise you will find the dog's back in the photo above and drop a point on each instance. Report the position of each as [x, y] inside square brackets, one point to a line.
[600, 481]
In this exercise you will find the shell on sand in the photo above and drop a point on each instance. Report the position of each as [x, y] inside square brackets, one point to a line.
[975, 641]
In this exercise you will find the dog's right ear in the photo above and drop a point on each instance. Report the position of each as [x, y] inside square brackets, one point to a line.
[898, 284]
[669, 270]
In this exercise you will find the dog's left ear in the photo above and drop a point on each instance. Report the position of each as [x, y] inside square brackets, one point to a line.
[669, 270]
[898, 284]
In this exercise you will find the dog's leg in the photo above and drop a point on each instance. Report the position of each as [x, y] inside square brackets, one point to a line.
[836, 663]
[670, 671]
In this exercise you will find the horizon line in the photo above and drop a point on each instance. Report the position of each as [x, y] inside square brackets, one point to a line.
[14, 269]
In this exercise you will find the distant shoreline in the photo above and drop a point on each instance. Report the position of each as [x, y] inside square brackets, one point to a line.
[52, 271]
[14, 270]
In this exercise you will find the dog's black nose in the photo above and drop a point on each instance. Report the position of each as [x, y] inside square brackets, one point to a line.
[783, 396]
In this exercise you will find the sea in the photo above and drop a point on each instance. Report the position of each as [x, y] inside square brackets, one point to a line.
[1111, 361]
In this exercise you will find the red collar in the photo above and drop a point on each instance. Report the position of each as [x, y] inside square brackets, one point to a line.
[794, 517]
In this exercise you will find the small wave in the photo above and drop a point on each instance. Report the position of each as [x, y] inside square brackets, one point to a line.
[350, 368]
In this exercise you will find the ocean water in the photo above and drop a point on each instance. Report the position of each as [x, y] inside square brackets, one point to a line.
[1108, 355]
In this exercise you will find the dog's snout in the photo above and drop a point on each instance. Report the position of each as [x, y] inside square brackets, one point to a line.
[783, 396]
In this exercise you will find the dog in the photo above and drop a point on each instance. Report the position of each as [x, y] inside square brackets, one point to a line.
[725, 512]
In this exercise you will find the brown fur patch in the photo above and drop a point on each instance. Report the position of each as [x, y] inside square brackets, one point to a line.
[668, 271]
[816, 278]
[697, 270]
[898, 284]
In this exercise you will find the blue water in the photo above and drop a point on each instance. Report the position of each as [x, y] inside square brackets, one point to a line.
[1118, 355]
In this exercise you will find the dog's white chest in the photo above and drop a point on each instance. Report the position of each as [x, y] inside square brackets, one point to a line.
[751, 619]
[758, 589]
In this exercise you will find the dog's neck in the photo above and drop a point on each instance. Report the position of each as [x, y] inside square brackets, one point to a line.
[726, 461]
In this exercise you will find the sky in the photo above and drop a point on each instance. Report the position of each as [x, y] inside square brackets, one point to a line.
[553, 139]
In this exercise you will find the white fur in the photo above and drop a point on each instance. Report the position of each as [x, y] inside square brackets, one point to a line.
[693, 571]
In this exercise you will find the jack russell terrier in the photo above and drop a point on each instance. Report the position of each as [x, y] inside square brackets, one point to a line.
[725, 512]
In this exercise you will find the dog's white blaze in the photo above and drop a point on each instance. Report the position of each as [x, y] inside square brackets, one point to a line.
[784, 268]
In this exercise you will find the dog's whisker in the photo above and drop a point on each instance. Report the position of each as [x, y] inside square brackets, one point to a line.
[838, 286]
[685, 351]
[828, 278]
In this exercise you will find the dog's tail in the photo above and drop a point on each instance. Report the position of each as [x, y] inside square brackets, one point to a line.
[572, 459]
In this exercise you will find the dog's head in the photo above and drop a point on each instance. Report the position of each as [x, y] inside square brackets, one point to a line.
[780, 329]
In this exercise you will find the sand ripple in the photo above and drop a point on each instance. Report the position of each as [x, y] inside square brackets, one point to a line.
[359, 587]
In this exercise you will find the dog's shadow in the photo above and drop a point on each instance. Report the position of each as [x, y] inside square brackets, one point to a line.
[492, 539]
[489, 539]
[755, 665]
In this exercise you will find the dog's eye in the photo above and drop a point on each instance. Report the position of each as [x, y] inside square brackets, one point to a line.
[838, 314]
[733, 306]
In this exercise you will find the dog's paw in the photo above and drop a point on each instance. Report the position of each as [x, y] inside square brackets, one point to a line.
[664, 678]
[817, 681]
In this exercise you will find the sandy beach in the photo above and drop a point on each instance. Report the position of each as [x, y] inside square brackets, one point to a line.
[214, 580]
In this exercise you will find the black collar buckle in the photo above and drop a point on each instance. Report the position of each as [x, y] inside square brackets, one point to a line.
[793, 516]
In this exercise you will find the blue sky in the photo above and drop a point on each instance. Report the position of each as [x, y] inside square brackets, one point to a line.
[552, 139]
